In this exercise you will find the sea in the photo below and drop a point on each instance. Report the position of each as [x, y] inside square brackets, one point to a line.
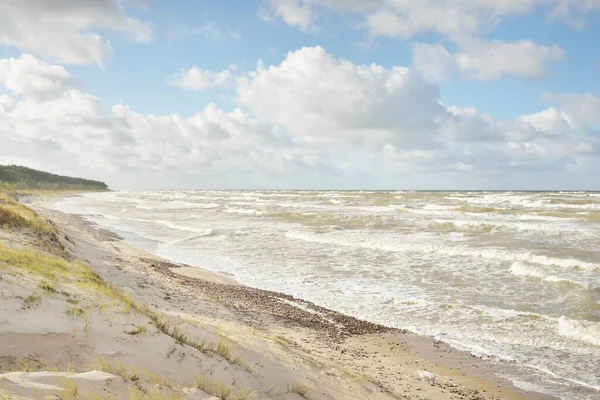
[511, 276]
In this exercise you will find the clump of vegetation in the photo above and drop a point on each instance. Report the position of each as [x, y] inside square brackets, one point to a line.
[32, 301]
[300, 389]
[127, 372]
[221, 390]
[76, 313]
[14, 215]
[48, 288]
[17, 177]
[137, 331]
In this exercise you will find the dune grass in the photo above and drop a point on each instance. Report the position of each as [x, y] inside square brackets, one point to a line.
[16, 215]
[138, 330]
[221, 390]
[127, 372]
[300, 389]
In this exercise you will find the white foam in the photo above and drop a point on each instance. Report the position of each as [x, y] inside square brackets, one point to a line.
[404, 244]
[585, 331]
[243, 211]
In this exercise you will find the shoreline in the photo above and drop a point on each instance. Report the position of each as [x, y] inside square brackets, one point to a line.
[347, 340]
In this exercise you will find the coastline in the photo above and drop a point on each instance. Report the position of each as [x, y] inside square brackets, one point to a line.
[400, 364]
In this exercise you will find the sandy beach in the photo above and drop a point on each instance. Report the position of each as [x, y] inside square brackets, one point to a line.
[179, 331]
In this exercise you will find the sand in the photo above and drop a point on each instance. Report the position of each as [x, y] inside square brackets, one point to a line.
[276, 346]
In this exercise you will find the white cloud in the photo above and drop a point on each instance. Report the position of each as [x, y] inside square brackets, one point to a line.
[198, 80]
[66, 30]
[406, 18]
[298, 13]
[327, 122]
[582, 108]
[318, 97]
[485, 60]
[31, 77]
[210, 30]
[461, 22]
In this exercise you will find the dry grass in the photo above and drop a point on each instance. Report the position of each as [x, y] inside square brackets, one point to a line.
[139, 329]
[76, 313]
[70, 386]
[224, 348]
[221, 390]
[127, 372]
[137, 377]
[47, 288]
[14, 215]
[132, 394]
[160, 380]
[300, 389]
[357, 376]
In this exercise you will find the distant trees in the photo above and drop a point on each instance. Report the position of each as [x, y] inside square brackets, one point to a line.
[18, 177]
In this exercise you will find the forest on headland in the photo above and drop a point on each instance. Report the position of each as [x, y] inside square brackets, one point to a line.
[20, 178]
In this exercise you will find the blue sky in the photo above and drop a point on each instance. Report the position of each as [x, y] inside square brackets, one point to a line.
[507, 90]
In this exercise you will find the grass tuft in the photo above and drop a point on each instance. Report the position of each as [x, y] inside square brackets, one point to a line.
[299, 388]
[75, 313]
[127, 373]
[32, 301]
[48, 288]
[70, 386]
[220, 389]
[139, 329]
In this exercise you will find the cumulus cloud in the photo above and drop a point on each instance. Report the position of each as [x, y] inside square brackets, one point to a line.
[66, 30]
[34, 78]
[325, 121]
[318, 96]
[198, 80]
[485, 61]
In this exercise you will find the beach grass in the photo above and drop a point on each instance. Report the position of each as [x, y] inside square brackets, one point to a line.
[300, 389]
[221, 390]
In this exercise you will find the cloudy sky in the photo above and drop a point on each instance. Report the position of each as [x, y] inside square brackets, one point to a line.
[333, 94]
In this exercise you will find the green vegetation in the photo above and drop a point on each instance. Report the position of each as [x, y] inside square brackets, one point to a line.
[15, 215]
[17, 177]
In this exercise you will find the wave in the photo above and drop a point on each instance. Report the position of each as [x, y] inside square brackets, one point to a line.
[204, 233]
[524, 270]
[243, 211]
[583, 331]
[188, 228]
[401, 245]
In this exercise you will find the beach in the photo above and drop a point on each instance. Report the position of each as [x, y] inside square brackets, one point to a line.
[278, 346]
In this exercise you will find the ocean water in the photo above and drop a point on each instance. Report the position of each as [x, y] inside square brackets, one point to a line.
[508, 275]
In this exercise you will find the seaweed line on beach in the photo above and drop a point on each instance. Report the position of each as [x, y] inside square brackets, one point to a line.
[307, 314]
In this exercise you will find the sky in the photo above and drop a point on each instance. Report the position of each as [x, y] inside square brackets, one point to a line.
[304, 94]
